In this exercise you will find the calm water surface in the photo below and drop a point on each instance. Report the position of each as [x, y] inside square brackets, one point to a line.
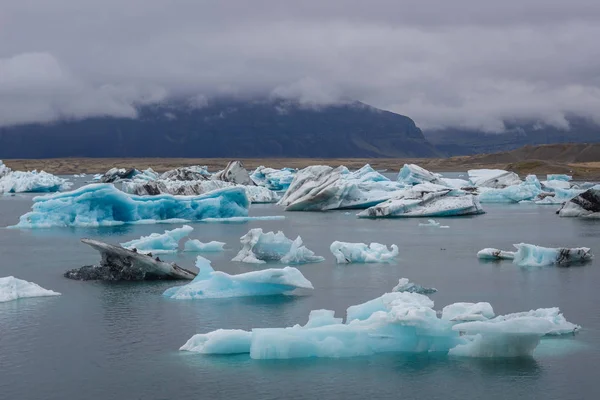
[120, 340]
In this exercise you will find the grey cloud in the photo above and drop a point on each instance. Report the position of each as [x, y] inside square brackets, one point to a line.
[463, 63]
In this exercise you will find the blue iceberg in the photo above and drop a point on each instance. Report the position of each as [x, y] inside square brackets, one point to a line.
[273, 179]
[346, 253]
[529, 255]
[104, 205]
[259, 247]
[394, 322]
[559, 177]
[211, 284]
[524, 191]
[158, 243]
[197, 246]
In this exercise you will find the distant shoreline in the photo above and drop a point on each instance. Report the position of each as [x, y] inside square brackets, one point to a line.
[68, 166]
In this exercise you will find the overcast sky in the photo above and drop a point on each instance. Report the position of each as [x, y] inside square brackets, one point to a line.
[460, 63]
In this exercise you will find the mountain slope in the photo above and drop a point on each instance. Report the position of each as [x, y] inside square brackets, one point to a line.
[225, 128]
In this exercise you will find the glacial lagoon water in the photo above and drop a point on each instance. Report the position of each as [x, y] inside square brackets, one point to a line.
[121, 340]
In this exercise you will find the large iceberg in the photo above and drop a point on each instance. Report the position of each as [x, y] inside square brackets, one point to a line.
[120, 264]
[197, 246]
[319, 188]
[259, 247]
[529, 255]
[394, 322]
[404, 285]
[346, 253]
[493, 178]
[586, 204]
[415, 203]
[30, 182]
[211, 284]
[104, 205]
[273, 179]
[12, 288]
[158, 243]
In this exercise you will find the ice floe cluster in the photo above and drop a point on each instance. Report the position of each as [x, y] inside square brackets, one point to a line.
[30, 182]
[395, 322]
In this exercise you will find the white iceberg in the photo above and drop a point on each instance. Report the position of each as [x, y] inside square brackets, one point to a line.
[273, 179]
[104, 205]
[320, 188]
[12, 288]
[413, 203]
[529, 255]
[433, 223]
[211, 284]
[556, 184]
[586, 204]
[159, 243]
[234, 172]
[462, 312]
[412, 174]
[404, 285]
[493, 178]
[495, 254]
[197, 246]
[346, 253]
[394, 322]
[259, 247]
[30, 182]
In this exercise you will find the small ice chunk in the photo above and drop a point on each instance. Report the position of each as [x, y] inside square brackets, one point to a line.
[198, 246]
[404, 285]
[495, 254]
[158, 243]
[221, 341]
[346, 253]
[259, 247]
[433, 223]
[12, 288]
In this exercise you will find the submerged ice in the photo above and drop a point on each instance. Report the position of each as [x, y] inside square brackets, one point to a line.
[158, 243]
[210, 284]
[346, 253]
[394, 322]
[104, 205]
[12, 288]
[259, 247]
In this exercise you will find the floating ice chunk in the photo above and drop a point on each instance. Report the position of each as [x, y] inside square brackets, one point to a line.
[198, 246]
[529, 255]
[221, 341]
[404, 285]
[586, 204]
[12, 288]
[159, 243]
[273, 179]
[346, 253]
[425, 204]
[385, 302]
[210, 284]
[433, 223]
[468, 312]
[105, 205]
[556, 184]
[559, 177]
[319, 188]
[516, 193]
[234, 172]
[30, 182]
[118, 174]
[493, 178]
[559, 196]
[495, 254]
[412, 174]
[259, 247]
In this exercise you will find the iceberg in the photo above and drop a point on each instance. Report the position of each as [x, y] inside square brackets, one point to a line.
[529, 255]
[197, 246]
[495, 254]
[234, 172]
[433, 223]
[559, 196]
[273, 179]
[528, 190]
[404, 285]
[259, 247]
[553, 185]
[493, 178]
[414, 203]
[394, 322]
[30, 182]
[159, 243]
[193, 173]
[586, 204]
[559, 177]
[118, 174]
[412, 174]
[346, 253]
[120, 264]
[104, 205]
[12, 288]
[211, 284]
[320, 188]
